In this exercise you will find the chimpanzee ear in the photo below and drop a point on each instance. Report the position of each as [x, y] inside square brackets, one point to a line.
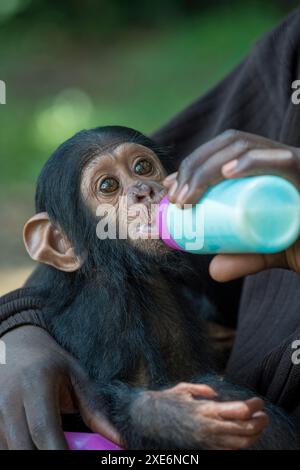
[49, 245]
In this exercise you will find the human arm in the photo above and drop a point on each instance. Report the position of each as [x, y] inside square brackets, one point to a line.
[236, 154]
[40, 381]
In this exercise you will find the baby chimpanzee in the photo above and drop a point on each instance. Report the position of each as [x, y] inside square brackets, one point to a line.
[115, 306]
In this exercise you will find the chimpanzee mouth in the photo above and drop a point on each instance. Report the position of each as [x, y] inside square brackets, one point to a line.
[148, 229]
[144, 225]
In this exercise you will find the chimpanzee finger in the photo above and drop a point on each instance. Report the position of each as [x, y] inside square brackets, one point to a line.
[242, 410]
[44, 419]
[254, 425]
[194, 389]
[232, 410]
[234, 442]
[279, 162]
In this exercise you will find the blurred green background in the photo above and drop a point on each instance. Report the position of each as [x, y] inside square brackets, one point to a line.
[73, 64]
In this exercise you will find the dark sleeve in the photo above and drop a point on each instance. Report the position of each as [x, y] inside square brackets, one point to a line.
[266, 352]
[21, 307]
[278, 377]
[256, 98]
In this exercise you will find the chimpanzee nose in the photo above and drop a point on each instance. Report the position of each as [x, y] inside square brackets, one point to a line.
[140, 192]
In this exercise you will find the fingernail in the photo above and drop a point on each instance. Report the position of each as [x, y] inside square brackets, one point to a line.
[229, 168]
[182, 194]
[258, 414]
[173, 189]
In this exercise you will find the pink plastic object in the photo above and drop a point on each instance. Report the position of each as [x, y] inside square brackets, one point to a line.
[161, 224]
[89, 441]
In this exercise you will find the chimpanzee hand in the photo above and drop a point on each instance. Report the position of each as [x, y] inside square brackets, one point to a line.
[39, 382]
[190, 416]
[235, 154]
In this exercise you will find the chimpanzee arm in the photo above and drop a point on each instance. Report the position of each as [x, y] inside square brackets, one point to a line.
[180, 418]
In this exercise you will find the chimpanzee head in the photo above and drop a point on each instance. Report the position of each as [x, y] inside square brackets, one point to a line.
[111, 167]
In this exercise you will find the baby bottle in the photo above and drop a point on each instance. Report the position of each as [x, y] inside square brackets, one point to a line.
[258, 214]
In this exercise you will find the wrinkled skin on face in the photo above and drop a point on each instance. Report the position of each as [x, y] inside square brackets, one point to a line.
[124, 186]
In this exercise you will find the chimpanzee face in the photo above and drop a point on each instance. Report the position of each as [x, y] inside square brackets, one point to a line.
[120, 185]
[128, 178]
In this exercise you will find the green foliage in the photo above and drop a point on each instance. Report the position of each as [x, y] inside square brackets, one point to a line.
[59, 82]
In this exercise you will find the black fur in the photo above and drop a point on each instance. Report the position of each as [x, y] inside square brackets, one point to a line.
[122, 314]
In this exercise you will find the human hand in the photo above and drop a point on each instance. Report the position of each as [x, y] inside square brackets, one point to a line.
[236, 154]
[39, 382]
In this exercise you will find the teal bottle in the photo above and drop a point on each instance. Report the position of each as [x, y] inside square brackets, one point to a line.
[257, 214]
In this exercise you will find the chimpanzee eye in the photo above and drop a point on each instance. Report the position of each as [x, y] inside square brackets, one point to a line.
[143, 167]
[108, 185]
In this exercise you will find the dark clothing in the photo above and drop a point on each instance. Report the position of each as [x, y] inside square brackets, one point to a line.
[255, 97]
[268, 324]
[21, 307]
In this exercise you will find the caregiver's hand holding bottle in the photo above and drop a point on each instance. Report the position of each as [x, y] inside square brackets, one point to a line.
[235, 154]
